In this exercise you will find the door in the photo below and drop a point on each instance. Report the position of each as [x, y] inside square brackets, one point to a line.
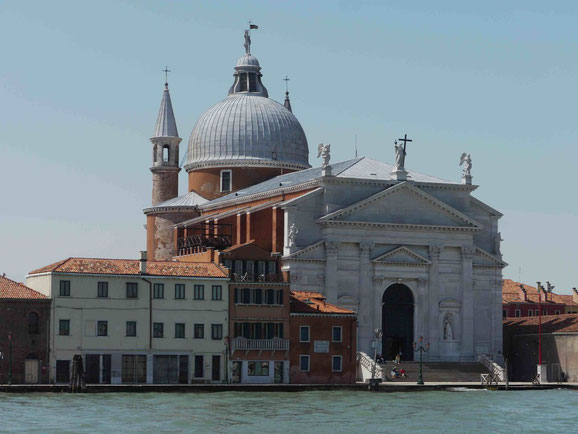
[278, 372]
[31, 371]
[92, 371]
[134, 368]
[397, 322]
[183, 369]
[199, 365]
[216, 368]
[106, 369]
[165, 370]
[63, 371]
[236, 377]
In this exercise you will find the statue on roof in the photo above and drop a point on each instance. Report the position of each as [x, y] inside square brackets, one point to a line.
[324, 151]
[466, 160]
[400, 154]
[247, 43]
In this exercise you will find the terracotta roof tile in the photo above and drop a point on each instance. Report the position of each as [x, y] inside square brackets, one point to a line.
[132, 267]
[11, 289]
[511, 294]
[566, 323]
[314, 302]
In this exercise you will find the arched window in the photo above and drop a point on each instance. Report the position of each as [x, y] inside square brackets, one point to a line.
[33, 323]
[166, 153]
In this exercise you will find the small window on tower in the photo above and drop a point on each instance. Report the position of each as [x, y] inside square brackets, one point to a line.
[252, 82]
[225, 180]
[166, 153]
[155, 154]
[243, 82]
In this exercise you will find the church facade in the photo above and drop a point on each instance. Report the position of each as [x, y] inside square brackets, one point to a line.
[414, 255]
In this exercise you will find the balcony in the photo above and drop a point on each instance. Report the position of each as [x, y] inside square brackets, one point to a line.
[271, 277]
[243, 344]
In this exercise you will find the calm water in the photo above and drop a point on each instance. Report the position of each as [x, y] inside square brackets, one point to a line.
[302, 412]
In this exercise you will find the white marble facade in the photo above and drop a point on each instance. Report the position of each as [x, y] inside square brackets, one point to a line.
[358, 236]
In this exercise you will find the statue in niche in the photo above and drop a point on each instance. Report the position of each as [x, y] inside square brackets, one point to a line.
[497, 243]
[399, 156]
[448, 330]
[292, 235]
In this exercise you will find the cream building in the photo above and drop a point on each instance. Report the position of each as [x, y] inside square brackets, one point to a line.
[136, 322]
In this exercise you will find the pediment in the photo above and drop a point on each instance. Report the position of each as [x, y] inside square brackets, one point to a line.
[315, 251]
[403, 204]
[486, 259]
[401, 256]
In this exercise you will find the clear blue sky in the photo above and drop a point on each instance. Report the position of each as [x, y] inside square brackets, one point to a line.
[81, 82]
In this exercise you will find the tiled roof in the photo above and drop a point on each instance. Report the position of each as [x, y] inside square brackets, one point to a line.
[360, 168]
[314, 302]
[511, 294]
[132, 267]
[12, 289]
[550, 324]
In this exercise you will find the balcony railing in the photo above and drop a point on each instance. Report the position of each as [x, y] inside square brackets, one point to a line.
[271, 277]
[259, 344]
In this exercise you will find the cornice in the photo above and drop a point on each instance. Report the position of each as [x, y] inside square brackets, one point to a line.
[244, 163]
[169, 209]
[400, 226]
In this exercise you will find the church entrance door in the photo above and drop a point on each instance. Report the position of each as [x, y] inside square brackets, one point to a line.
[397, 322]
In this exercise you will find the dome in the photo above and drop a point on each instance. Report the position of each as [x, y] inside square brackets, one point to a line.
[247, 60]
[248, 130]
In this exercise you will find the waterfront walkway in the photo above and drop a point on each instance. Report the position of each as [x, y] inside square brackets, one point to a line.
[384, 387]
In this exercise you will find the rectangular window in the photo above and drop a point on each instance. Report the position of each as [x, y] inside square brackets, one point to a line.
[258, 296]
[158, 329]
[159, 290]
[199, 293]
[102, 289]
[270, 296]
[556, 312]
[304, 334]
[270, 331]
[272, 267]
[249, 269]
[504, 313]
[65, 288]
[304, 363]
[217, 292]
[229, 264]
[217, 331]
[64, 327]
[179, 291]
[336, 333]
[131, 290]
[199, 367]
[180, 330]
[225, 180]
[279, 330]
[545, 312]
[199, 331]
[258, 369]
[238, 267]
[279, 296]
[336, 363]
[530, 313]
[536, 313]
[102, 328]
[261, 268]
[517, 313]
[131, 328]
[246, 295]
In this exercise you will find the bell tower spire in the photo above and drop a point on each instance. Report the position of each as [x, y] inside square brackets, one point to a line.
[165, 142]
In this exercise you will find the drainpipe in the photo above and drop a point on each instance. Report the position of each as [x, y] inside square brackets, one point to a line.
[143, 271]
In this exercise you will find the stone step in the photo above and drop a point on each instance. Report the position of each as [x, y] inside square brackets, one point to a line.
[437, 371]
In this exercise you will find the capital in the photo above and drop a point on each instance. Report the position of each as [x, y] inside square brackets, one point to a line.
[435, 251]
[331, 246]
[366, 248]
[468, 253]
[421, 283]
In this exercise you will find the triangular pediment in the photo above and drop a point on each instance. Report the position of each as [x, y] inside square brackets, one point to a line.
[486, 259]
[403, 204]
[401, 256]
[315, 251]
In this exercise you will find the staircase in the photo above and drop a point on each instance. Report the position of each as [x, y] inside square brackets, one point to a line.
[365, 365]
[437, 371]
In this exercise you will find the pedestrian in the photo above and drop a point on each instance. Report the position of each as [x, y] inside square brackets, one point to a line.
[398, 358]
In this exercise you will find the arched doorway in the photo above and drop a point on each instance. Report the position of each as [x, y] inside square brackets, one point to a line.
[397, 322]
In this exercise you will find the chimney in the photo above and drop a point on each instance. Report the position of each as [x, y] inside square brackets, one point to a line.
[522, 293]
[143, 262]
[575, 295]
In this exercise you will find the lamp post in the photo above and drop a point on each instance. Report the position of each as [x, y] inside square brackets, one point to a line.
[539, 373]
[9, 357]
[421, 349]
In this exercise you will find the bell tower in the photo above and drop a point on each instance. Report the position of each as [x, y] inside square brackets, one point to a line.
[165, 142]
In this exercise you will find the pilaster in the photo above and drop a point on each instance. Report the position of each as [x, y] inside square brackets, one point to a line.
[433, 299]
[467, 334]
[365, 292]
[331, 248]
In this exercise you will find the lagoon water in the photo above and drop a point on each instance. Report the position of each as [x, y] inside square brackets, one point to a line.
[461, 410]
